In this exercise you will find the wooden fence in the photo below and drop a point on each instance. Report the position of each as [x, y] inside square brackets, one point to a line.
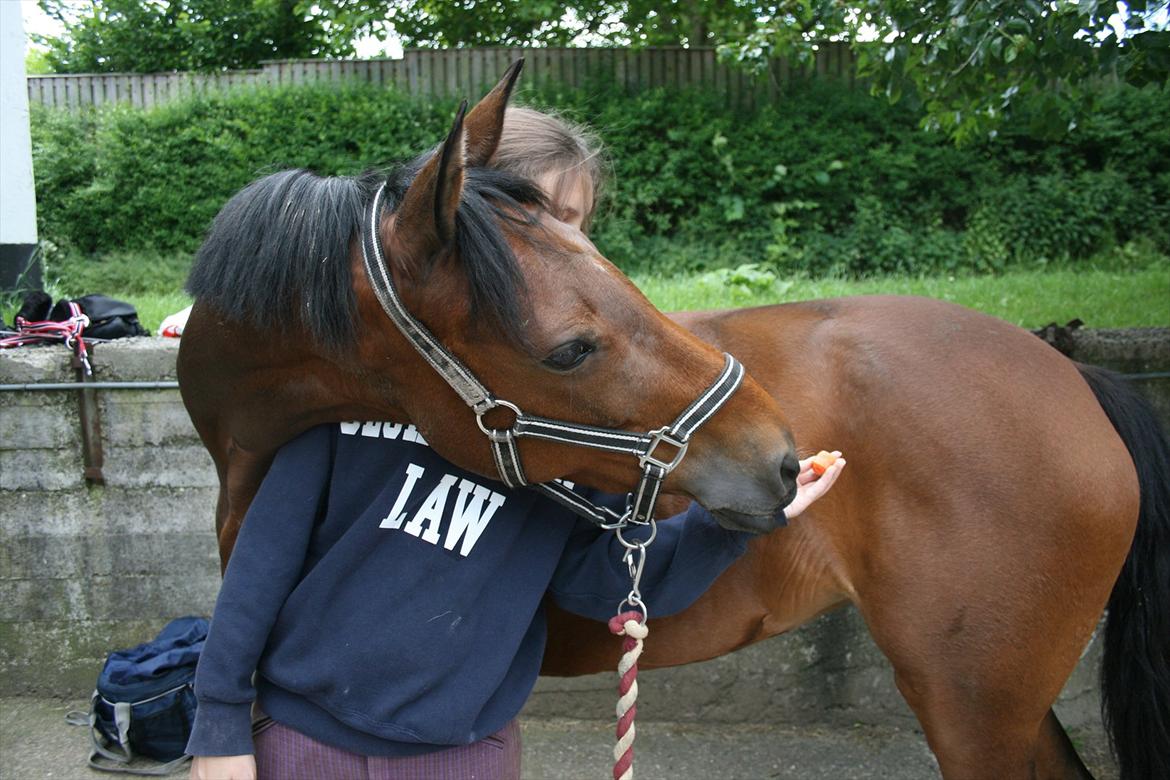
[453, 72]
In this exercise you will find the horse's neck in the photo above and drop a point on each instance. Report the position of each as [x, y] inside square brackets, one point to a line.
[259, 393]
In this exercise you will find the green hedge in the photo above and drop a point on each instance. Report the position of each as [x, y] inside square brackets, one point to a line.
[827, 179]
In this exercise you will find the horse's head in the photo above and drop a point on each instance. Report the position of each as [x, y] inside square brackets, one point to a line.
[545, 322]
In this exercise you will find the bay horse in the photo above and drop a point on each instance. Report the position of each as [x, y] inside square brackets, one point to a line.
[289, 331]
[998, 497]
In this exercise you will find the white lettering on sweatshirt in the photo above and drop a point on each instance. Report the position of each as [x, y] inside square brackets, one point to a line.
[474, 507]
[385, 430]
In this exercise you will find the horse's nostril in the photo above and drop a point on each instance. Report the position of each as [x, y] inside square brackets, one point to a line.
[789, 468]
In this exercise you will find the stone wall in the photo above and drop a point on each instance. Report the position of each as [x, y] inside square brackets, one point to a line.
[85, 568]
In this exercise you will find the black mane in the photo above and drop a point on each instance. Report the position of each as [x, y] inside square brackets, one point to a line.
[277, 254]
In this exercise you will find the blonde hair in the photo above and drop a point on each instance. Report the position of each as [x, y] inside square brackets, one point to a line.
[536, 143]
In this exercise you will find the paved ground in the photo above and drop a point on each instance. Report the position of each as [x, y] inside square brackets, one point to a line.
[35, 743]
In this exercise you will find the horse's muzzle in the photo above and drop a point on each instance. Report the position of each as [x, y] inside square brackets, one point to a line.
[752, 502]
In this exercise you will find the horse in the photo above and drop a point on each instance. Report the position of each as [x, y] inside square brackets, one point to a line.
[290, 330]
[998, 498]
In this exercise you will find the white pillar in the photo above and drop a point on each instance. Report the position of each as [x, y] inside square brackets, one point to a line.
[18, 204]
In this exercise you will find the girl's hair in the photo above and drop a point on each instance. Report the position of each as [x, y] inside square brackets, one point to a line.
[535, 143]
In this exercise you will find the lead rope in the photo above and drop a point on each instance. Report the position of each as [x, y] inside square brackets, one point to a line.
[46, 331]
[631, 624]
[627, 624]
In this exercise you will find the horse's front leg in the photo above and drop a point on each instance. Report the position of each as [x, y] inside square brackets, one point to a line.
[241, 480]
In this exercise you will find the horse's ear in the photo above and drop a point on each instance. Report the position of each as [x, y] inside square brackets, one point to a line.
[425, 222]
[485, 123]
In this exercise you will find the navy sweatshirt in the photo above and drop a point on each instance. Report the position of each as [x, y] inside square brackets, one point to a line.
[389, 603]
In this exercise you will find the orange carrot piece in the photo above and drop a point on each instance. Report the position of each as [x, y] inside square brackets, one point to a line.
[821, 462]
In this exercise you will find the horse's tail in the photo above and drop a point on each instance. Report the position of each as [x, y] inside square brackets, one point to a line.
[1135, 670]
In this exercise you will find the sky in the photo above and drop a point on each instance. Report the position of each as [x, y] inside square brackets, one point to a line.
[36, 21]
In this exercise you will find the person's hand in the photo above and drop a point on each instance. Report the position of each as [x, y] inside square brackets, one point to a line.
[810, 487]
[224, 767]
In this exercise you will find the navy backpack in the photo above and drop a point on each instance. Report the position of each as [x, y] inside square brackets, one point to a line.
[145, 700]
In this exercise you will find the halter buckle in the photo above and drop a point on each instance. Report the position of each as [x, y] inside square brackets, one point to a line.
[661, 436]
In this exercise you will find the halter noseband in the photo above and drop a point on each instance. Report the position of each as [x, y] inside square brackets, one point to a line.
[654, 462]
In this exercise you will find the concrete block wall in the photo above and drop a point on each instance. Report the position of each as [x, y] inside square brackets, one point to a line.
[86, 569]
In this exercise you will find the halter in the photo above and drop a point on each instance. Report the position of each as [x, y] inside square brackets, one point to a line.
[652, 449]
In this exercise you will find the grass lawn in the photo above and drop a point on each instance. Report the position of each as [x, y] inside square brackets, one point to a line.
[1103, 299]
[1105, 293]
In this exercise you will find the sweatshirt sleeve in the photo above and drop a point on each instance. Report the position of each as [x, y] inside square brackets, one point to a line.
[689, 553]
[264, 568]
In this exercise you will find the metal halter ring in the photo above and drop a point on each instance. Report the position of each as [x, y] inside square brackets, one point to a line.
[495, 434]
[635, 600]
[661, 436]
[641, 543]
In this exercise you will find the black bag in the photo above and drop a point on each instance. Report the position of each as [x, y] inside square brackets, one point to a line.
[145, 701]
[108, 318]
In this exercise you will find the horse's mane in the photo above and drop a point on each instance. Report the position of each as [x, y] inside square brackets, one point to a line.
[278, 254]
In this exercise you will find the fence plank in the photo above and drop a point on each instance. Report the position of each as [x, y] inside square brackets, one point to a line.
[594, 67]
[464, 84]
[565, 62]
[478, 82]
[450, 65]
[433, 78]
[434, 67]
[411, 60]
[84, 91]
[499, 59]
[552, 67]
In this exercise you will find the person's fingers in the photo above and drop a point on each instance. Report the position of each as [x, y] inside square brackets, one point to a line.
[822, 485]
[806, 474]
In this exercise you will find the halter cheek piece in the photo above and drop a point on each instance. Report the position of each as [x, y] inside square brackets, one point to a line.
[653, 449]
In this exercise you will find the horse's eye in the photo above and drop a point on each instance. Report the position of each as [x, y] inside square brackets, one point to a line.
[568, 356]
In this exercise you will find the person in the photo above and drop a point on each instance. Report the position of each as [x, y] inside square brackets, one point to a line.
[566, 160]
[388, 604]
